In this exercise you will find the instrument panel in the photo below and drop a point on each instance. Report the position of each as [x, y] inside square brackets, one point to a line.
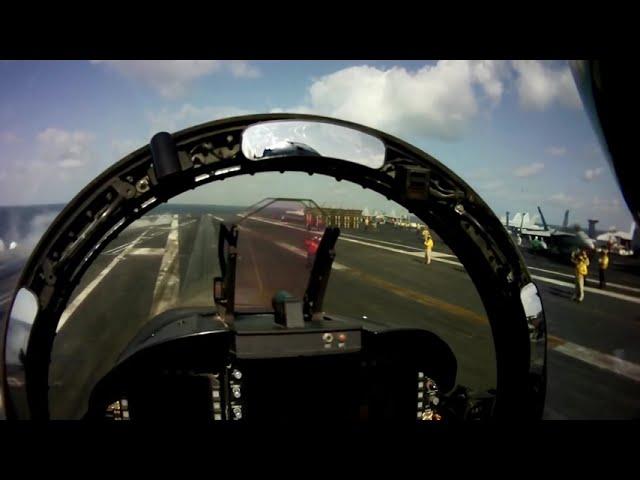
[230, 397]
[326, 372]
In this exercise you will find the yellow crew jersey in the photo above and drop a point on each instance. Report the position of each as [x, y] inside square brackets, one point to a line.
[604, 262]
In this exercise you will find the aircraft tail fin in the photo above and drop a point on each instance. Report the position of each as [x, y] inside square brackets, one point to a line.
[516, 220]
[565, 222]
[544, 222]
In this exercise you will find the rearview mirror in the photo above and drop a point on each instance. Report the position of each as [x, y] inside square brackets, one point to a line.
[304, 138]
[532, 305]
[23, 314]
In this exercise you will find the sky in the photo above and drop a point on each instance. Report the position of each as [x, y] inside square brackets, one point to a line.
[516, 131]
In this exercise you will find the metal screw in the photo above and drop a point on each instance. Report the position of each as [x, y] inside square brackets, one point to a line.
[143, 185]
[236, 391]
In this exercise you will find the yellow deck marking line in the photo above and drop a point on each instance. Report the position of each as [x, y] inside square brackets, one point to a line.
[590, 356]
[421, 298]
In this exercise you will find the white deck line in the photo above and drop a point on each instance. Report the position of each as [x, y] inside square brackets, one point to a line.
[148, 251]
[601, 360]
[591, 280]
[71, 308]
[167, 286]
[417, 249]
[5, 298]
[590, 356]
[606, 293]
[437, 257]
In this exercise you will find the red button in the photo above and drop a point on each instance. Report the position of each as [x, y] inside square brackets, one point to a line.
[342, 338]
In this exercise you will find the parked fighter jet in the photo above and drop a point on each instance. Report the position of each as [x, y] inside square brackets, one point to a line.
[560, 241]
[620, 242]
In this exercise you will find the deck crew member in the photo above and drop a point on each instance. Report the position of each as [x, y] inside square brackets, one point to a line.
[581, 262]
[428, 245]
[603, 263]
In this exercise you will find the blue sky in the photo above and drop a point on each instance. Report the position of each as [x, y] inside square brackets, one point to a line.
[516, 131]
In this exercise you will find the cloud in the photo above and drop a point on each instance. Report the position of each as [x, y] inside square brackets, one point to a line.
[438, 100]
[56, 136]
[591, 173]
[488, 184]
[491, 185]
[479, 174]
[171, 78]
[66, 149]
[9, 137]
[489, 74]
[539, 85]
[70, 163]
[601, 205]
[124, 147]
[564, 200]
[528, 170]
[556, 151]
[435, 101]
[491, 189]
[188, 116]
[51, 169]
[37, 226]
[593, 150]
[243, 69]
